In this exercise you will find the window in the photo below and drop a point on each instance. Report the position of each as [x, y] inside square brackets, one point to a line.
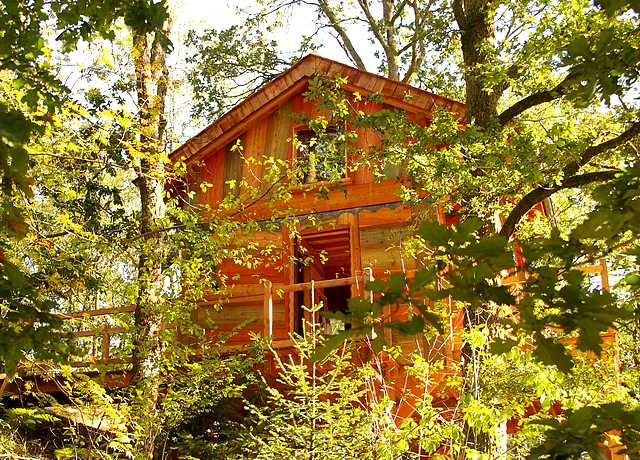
[320, 156]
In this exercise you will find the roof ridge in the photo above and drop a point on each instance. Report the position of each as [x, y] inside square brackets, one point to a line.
[303, 69]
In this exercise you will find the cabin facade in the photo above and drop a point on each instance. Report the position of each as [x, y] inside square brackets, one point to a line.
[351, 221]
[350, 233]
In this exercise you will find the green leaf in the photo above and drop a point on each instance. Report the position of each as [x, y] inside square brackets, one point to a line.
[501, 346]
[550, 352]
[410, 327]
[435, 234]
[579, 46]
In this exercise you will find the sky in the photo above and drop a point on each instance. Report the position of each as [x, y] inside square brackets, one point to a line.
[195, 14]
[204, 14]
[200, 15]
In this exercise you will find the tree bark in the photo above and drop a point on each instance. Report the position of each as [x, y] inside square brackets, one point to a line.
[391, 48]
[151, 76]
[343, 37]
[477, 37]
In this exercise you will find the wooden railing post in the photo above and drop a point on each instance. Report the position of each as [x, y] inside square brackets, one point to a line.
[604, 275]
[106, 344]
[268, 308]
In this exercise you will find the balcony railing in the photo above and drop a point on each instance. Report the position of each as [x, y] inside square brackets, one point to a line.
[106, 336]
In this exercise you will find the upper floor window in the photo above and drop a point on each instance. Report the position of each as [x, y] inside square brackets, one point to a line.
[320, 156]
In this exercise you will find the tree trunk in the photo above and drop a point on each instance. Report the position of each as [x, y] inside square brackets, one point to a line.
[151, 75]
[475, 21]
[477, 37]
[391, 48]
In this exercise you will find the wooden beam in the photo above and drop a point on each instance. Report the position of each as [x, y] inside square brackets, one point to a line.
[268, 309]
[355, 255]
[99, 332]
[319, 284]
[97, 312]
[106, 345]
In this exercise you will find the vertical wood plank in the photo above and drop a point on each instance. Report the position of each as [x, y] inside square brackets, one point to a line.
[268, 308]
[604, 275]
[254, 149]
[106, 344]
[354, 250]
[289, 298]
[232, 167]
[279, 131]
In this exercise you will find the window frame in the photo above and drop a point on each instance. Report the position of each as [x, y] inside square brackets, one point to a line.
[293, 158]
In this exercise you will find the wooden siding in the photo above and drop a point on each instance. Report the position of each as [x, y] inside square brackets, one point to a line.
[376, 238]
[233, 167]
[270, 136]
[270, 96]
[279, 132]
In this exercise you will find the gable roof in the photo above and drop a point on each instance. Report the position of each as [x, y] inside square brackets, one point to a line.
[270, 95]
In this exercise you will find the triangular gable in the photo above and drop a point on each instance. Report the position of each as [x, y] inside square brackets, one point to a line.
[288, 83]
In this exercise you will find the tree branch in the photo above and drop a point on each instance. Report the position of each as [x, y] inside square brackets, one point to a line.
[537, 99]
[595, 150]
[458, 13]
[571, 180]
[342, 33]
[536, 195]
[364, 5]
[398, 10]
[417, 45]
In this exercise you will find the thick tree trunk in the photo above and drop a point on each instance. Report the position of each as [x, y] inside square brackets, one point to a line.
[151, 84]
[475, 21]
[477, 36]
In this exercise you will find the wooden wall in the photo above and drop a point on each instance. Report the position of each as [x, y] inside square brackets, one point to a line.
[240, 309]
[380, 232]
[269, 136]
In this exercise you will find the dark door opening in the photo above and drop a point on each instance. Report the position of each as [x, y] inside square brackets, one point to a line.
[322, 256]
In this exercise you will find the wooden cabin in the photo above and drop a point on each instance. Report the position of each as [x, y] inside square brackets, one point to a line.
[351, 233]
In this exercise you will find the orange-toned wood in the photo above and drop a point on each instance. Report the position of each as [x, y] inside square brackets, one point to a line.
[355, 254]
[366, 141]
[268, 309]
[254, 149]
[97, 312]
[216, 135]
[350, 196]
[279, 132]
[293, 81]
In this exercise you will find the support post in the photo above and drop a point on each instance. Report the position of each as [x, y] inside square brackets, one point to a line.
[268, 308]
[106, 344]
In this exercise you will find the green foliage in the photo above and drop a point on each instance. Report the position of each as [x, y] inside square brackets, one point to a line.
[588, 430]
[28, 105]
[70, 211]
[314, 410]
[201, 410]
[242, 54]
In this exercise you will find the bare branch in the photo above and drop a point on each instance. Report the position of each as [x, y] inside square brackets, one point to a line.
[595, 150]
[346, 44]
[416, 44]
[571, 180]
[364, 5]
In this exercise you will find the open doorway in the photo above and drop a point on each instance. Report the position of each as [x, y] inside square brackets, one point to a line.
[323, 256]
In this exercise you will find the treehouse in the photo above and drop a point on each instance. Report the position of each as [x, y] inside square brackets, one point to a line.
[350, 218]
